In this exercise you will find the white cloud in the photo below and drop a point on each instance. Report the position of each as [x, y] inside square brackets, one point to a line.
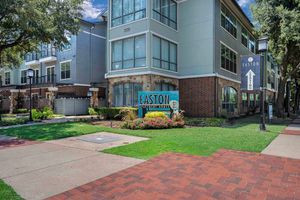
[244, 3]
[90, 10]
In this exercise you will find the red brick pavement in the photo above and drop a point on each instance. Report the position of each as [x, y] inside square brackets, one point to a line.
[225, 175]
[15, 143]
[291, 132]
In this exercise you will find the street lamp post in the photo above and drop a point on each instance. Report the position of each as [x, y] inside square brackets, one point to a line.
[30, 76]
[263, 48]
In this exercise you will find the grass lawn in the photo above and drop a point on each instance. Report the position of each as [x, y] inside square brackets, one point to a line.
[243, 136]
[7, 193]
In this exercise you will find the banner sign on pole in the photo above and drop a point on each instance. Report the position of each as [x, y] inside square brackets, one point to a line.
[251, 67]
[163, 101]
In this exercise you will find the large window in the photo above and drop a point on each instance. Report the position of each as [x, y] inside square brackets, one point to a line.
[7, 78]
[23, 77]
[228, 21]
[164, 87]
[129, 53]
[229, 99]
[244, 37]
[50, 74]
[126, 94]
[125, 11]
[65, 70]
[228, 59]
[165, 11]
[251, 44]
[164, 54]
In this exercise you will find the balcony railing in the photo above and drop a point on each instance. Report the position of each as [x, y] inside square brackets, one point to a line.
[45, 51]
[44, 80]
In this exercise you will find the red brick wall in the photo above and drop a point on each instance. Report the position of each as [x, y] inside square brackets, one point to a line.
[197, 96]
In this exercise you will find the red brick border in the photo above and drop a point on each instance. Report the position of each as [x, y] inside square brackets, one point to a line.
[16, 143]
[225, 175]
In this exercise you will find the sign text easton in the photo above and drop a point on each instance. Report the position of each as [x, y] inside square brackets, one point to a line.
[165, 101]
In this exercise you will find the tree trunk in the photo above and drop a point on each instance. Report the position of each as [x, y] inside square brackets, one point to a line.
[280, 98]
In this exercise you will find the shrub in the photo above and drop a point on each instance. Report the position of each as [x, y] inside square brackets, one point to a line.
[12, 121]
[155, 115]
[46, 113]
[128, 114]
[111, 113]
[205, 122]
[20, 111]
[152, 122]
[92, 111]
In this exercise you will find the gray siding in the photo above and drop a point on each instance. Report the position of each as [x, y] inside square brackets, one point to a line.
[196, 37]
[234, 43]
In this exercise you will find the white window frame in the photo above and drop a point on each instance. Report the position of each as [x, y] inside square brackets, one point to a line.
[21, 77]
[60, 65]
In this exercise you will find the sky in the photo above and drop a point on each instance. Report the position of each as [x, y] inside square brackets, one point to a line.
[92, 8]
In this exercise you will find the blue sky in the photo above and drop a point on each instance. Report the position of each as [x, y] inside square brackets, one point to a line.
[92, 8]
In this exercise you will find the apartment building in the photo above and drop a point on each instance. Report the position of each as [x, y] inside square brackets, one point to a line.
[67, 72]
[187, 45]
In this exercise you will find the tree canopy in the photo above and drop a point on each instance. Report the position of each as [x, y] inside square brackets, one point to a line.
[24, 24]
[280, 21]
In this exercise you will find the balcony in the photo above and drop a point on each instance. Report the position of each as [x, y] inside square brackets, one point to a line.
[43, 81]
[32, 59]
[48, 54]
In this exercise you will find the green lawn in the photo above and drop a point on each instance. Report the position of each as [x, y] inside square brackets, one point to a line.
[7, 193]
[243, 136]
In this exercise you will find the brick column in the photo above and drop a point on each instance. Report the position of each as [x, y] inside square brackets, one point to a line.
[52, 91]
[94, 101]
[13, 100]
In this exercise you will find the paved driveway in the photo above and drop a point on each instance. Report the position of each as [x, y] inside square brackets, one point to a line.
[42, 170]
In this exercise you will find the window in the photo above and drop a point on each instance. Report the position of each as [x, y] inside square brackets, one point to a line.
[23, 77]
[251, 44]
[164, 54]
[125, 11]
[245, 99]
[65, 70]
[164, 87]
[165, 11]
[36, 73]
[50, 74]
[126, 94]
[228, 59]
[228, 21]
[247, 40]
[129, 53]
[0, 80]
[244, 37]
[229, 99]
[252, 101]
[7, 78]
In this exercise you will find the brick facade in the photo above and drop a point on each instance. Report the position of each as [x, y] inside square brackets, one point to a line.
[202, 97]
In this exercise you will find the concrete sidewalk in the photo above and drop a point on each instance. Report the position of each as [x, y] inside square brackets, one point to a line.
[286, 144]
[42, 170]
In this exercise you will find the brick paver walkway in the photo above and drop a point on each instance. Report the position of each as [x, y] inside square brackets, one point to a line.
[225, 175]
[295, 130]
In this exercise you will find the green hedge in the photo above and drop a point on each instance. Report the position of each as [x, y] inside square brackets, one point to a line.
[205, 122]
[13, 121]
[110, 113]
[20, 111]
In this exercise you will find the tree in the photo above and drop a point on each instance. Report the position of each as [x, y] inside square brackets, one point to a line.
[24, 24]
[280, 21]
